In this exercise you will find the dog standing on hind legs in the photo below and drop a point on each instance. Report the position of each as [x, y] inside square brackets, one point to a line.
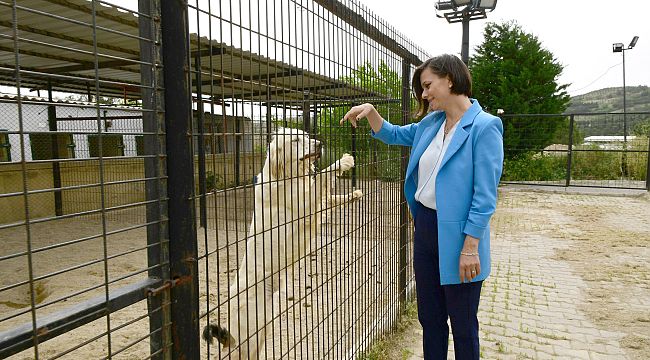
[288, 206]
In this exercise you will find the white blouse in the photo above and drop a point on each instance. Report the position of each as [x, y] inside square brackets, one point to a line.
[430, 164]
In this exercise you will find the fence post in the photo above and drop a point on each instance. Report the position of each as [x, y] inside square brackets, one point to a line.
[54, 148]
[268, 111]
[403, 209]
[152, 124]
[353, 152]
[200, 144]
[180, 185]
[647, 170]
[570, 152]
[306, 116]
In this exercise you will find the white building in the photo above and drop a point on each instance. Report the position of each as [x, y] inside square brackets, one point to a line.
[608, 142]
[79, 125]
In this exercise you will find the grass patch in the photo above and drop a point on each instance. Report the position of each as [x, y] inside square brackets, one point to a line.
[394, 344]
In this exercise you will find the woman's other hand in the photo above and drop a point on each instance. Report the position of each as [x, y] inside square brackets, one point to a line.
[359, 112]
[469, 263]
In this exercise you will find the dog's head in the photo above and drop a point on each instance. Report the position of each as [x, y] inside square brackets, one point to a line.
[292, 153]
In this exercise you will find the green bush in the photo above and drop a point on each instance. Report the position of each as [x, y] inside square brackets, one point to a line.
[589, 162]
[213, 181]
[532, 166]
[595, 165]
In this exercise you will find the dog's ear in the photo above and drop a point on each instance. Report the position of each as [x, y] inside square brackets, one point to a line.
[275, 160]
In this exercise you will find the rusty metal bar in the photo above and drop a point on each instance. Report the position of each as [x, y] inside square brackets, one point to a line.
[183, 250]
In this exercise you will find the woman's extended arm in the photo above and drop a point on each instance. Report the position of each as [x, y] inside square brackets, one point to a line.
[382, 129]
[364, 110]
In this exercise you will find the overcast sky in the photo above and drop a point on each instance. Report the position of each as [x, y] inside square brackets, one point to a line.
[580, 34]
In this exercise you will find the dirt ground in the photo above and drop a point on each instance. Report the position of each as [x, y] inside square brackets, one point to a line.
[344, 287]
[611, 251]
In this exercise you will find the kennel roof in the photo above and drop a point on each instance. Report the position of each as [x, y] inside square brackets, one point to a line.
[55, 43]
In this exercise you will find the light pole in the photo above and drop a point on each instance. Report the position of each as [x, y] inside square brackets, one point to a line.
[619, 47]
[464, 11]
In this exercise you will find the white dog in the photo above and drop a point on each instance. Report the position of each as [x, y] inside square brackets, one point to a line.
[288, 204]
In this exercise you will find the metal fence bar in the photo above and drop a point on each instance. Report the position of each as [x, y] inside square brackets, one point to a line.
[20, 338]
[404, 211]
[152, 122]
[569, 151]
[647, 173]
[355, 19]
[56, 169]
[183, 252]
[24, 187]
[200, 144]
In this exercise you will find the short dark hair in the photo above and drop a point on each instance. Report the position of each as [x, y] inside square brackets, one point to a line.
[444, 66]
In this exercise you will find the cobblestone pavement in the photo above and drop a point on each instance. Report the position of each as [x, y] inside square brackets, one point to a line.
[540, 303]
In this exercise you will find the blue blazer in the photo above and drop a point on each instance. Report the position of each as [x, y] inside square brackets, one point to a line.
[466, 184]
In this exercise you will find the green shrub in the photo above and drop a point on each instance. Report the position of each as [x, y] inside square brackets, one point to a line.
[589, 162]
[595, 165]
[532, 166]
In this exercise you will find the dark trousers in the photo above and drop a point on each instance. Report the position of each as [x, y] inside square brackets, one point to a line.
[436, 303]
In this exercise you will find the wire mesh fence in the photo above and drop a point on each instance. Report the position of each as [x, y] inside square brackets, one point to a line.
[308, 251]
[593, 150]
[83, 182]
[166, 166]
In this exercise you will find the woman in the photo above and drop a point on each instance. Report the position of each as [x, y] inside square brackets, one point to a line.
[451, 188]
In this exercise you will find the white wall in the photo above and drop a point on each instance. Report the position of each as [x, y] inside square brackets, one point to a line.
[34, 119]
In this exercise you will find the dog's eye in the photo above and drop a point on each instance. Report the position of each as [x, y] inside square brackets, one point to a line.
[295, 140]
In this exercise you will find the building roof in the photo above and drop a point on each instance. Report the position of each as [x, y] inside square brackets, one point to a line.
[55, 43]
[608, 138]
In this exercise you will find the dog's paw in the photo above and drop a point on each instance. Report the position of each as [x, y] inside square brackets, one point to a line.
[346, 162]
[356, 194]
[221, 334]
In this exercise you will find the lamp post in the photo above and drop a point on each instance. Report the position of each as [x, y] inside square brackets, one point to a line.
[619, 47]
[464, 11]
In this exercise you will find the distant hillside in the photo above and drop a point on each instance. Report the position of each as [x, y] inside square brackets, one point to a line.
[611, 100]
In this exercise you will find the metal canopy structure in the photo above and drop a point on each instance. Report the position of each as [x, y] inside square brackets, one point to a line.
[63, 50]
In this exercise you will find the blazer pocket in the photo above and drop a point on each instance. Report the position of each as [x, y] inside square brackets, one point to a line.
[450, 243]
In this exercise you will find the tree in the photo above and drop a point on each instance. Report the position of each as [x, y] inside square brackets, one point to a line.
[338, 139]
[512, 71]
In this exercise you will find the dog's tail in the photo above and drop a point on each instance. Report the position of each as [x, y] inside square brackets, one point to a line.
[221, 334]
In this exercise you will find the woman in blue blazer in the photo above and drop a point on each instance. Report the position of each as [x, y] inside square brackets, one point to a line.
[451, 188]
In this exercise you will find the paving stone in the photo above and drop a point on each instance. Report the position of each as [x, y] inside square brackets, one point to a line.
[600, 356]
[544, 348]
[541, 355]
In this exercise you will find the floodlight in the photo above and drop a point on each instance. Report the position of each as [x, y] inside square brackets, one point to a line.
[475, 4]
[459, 3]
[444, 5]
[486, 4]
[617, 47]
[464, 11]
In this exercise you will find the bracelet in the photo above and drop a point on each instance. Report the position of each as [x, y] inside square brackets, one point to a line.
[469, 254]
